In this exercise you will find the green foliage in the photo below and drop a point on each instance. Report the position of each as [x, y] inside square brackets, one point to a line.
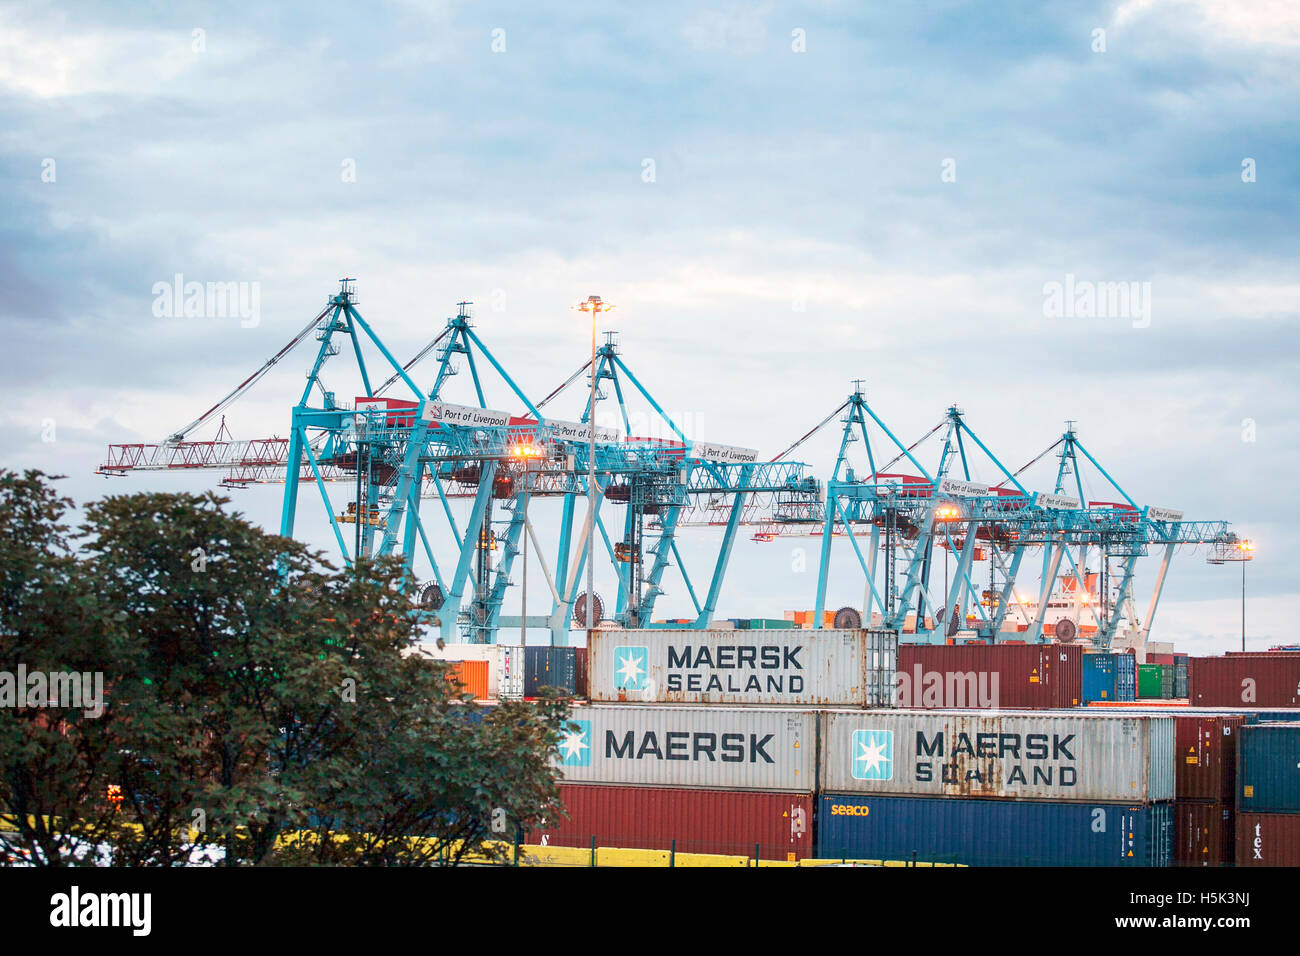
[253, 691]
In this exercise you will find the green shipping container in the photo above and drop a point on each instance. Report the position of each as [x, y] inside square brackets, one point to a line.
[1150, 681]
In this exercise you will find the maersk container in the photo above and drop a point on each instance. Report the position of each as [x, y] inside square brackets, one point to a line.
[505, 664]
[1245, 680]
[564, 668]
[720, 748]
[730, 822]
[1204, 834]
[1268, 839]
[991, 676]
[994, 832]
[1268, 768]
[1061, 755]
[842, 668]
[1205, 766]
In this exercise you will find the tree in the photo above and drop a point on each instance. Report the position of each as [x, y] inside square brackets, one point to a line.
[256, 691]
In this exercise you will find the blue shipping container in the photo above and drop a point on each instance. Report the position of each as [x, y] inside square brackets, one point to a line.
[994, 832]
[1100, 677]
[1127, 676]
[1268, 768]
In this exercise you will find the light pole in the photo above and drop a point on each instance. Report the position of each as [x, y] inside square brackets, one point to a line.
[594, 305]
[527, 453]
[945, 514]
[1239, 551]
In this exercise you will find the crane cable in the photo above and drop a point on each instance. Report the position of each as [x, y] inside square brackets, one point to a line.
[179, 436]
[815, 430]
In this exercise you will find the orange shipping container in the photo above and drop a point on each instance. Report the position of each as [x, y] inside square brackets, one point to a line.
[474, 675]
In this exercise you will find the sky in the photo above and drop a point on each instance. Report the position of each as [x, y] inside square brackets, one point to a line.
[780, 198]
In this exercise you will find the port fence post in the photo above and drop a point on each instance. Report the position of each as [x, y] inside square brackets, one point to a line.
[672, 854]
[516, 863]
[593, 849]
[756, 863]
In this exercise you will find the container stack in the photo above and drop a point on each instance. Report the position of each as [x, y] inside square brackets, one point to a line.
[1268, 795]
[514, 672]
[707, 741]
[1204, 782]
[1155, 681]
[998, 789]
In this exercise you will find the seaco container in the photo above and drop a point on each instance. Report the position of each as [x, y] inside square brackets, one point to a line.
[1204, 834]
[843, 668]
[564, 668]
[1268, 839]
[718, 748]
[990, 675]
[1082, 755]
[505, 676]
[1244, 680]
[1268, 768]
[1205, 765]
[730, 822]
[994, 832]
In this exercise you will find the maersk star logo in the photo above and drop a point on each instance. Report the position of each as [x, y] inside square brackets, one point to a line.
[873, 755]
[631, 666]
[575, 748]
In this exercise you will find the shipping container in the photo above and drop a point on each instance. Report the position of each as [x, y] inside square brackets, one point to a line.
[564, 668]
[1100, 678]
[1206, 762]
[729, 822]
[1245, 680]
[505, 664]
[1126, 666]
[1268, 768]
[777, 668]
[473, 676]
[1080, 755]
[1268, 839]
[1150, 681]
[994, 832]
[717, 748]
[1204, 834]
[992, 676]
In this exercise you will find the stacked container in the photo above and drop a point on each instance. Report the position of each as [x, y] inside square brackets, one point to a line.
[998, 788]
[505, 664]
[991, 676]
[1204, 782]
[1180, 676]
[563, 668]
[1268, 795]
[730, 780]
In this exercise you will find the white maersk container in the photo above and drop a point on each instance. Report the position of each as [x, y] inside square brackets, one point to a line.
[779, 667]
[1042, 755]
[505, 664]
[715, 748]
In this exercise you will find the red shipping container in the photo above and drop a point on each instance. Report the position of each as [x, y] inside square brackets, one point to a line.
[1203, 834]
[729, 822]
[1245, 680]
[1205, 765]
[1167, 659]
[1034, 676]
[1268, 839]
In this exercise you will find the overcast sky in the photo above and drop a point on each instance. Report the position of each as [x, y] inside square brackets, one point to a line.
[779, 197]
